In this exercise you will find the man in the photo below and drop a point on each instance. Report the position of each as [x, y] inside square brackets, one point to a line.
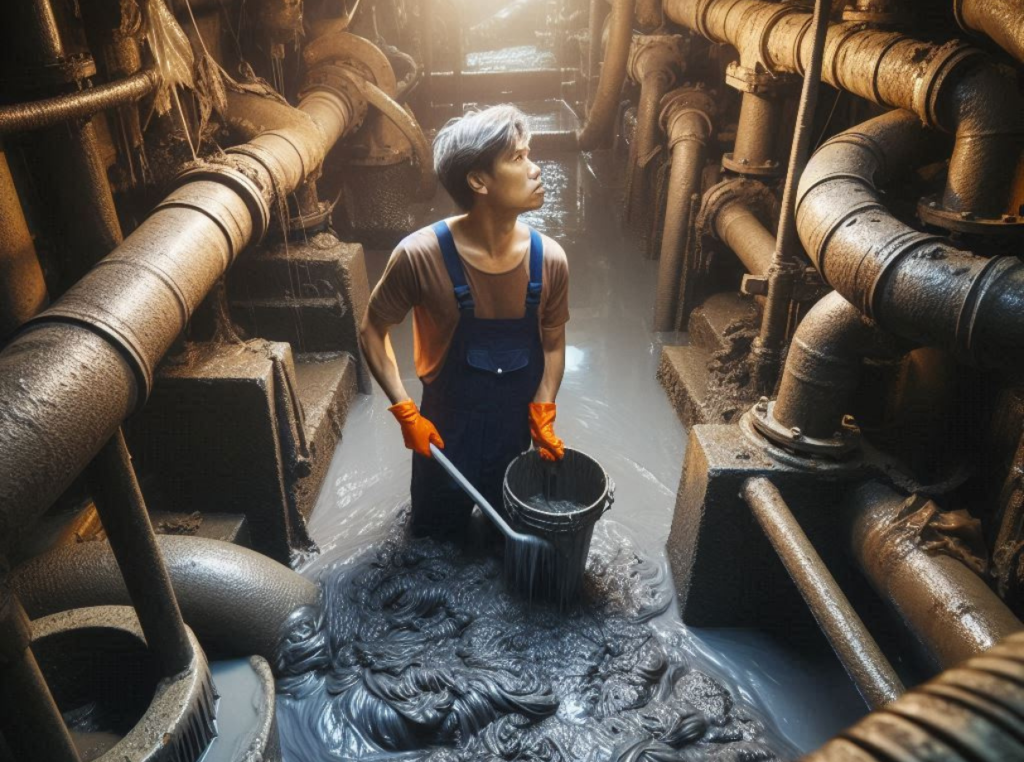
[490, 301]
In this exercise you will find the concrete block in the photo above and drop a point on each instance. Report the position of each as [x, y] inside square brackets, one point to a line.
[311, 294]
[708, 322]
[726, 572]
[222, 434]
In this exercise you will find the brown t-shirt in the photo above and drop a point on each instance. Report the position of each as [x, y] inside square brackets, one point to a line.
[415, 278]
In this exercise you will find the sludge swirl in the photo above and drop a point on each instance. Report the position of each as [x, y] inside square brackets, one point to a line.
[420, 653]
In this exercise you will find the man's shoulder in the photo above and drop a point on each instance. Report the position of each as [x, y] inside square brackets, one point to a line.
[420, 242]
[553, 250]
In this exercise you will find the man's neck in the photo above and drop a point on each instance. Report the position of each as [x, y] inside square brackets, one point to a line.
[492, 233]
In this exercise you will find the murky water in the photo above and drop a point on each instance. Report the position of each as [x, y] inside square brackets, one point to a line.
[611, 407]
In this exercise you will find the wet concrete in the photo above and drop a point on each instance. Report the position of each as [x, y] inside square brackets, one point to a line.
[610, 407]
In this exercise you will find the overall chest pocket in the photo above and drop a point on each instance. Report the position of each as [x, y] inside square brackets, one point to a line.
[497, 361]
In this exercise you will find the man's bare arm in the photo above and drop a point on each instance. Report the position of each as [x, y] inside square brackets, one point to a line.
[376, 344]
[553, 340]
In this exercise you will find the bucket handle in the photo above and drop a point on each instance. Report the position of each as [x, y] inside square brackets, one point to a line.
[611, 496]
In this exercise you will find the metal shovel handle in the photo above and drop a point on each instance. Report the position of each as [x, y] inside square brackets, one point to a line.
[480, 500]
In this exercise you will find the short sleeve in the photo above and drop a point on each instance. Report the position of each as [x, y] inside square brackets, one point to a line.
[556, 285]
[397, 292]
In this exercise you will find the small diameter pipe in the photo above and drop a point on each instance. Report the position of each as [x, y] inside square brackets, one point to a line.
[863, 660]
[597, 131]
[29, 718]
[686, 118]
[123, 512]
[767, 347]
[22, 288]
[598, 13]
[950, 610]
[64, 108]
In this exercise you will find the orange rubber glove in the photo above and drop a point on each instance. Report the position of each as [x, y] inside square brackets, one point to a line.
[542, 430]
[417, 431]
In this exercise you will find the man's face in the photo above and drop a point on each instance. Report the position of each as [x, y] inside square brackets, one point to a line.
[514, 183]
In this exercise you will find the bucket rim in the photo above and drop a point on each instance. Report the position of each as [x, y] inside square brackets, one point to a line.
[563, 518]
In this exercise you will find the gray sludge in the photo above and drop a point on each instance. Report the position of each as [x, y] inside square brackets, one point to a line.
[423, 654]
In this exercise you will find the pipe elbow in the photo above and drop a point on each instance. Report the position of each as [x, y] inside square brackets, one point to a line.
[237, 601]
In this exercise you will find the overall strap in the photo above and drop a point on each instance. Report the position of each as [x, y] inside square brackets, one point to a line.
[536, 269]
[454, 265]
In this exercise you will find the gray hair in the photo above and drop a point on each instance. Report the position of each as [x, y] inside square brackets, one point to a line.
[472, 143]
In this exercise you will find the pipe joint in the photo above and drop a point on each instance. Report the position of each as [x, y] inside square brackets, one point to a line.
[929, 87]
[234, 175]
[656, 55]
[767, 84]
[687, 114]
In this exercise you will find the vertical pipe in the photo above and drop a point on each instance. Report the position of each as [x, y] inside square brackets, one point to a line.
[756, 130]
[597, 131]
[857, 650]
[22, 289]
[652, 89]
[126, 521]
[781, 274]
[29, 718]
[688, 124]
[598, 14]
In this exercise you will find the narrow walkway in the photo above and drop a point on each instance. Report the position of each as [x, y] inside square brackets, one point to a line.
[611, 407]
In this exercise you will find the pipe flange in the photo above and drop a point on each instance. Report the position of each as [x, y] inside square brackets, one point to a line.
[830, 56]
[354, 52]
[654, 52]
[887, 257]
[949, 57]
[993, 270]
[748, 80]
[338, 80]
[876, 13]
[757, 196]
[302, 225]
[783, 10]
[931, 212]
[837, 447]
[684, 100]
[741, 166]
[240, 183]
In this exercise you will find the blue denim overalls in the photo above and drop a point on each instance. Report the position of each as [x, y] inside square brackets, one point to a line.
[479, 402]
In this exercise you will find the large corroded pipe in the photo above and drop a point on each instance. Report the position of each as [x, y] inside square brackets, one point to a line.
[597, 131]
[974, 711]
[22, 288]
[80, 367]
[686, 118]
[917, 286]
[951, 611]
[237, 601]
[823, 366]
[1002, 21]
[946, 85]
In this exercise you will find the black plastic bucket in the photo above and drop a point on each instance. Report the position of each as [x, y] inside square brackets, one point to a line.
[578, 479]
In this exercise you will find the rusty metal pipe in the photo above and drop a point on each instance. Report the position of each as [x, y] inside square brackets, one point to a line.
[948, 86]
[126, 521]
[823, 366]
[740, 229]
[63, 108]
[755, 132]
[22, 288]
[767, 347]
[29, 717]
[915, 285]
[974, 711]
[597, 131]
[950, 610]
[598, 13]
[857, 650]
[1002, 21]
[686, 118]
[653, 87]
[80, 367]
